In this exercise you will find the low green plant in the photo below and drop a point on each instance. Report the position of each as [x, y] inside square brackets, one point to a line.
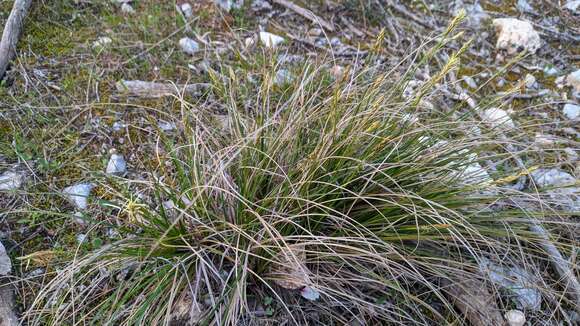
[340, 188]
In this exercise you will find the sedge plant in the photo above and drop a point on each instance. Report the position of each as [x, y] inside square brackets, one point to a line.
[316, 201]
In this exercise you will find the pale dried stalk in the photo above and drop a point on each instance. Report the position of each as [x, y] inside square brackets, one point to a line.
[145, 89]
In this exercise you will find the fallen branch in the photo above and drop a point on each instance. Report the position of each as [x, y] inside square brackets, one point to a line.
[305, 13]
[561, 265]
[12, 33]
[145, 89]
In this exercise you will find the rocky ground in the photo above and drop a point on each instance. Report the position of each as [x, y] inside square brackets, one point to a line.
[72, 110]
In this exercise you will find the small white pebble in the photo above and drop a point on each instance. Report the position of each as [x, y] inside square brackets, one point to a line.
[10, 180]
[515, 318]
[78, 194]
[470, 82]
[530, 81]
[188, 45]
[166, 126]
[572, 5]
[249, 42]
[270, 40]
[571, 111]
[116, 165]
[497, 117]
[102, 42]
[186, 10]
[127, 9]
[118, 126]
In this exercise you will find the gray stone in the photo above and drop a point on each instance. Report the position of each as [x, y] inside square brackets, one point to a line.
[127, 9]
[572, 111]
[259, 5]
[572, 5]
[11, 180]
[81, 237]
[497, 117]
[566, 199]
[187, 10]
[270, 40]
[515, 318]
[102, 42]
[551, 71]
[548, 178]
[524, 6]
[474, 174]
[5, 263]
[530, 81]
[166, 125]
[118, 126]
[476, 15]
[228, 5]
[515, 35]
[78, 194]
[515, 279]
[188, 45]
[470, 82]
[116, 165]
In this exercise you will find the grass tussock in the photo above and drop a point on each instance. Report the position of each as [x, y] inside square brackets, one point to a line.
[317, 201]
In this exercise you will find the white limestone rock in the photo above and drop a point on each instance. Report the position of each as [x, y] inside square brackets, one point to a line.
[270, 40]
[515, 318]
[102, 42]
[475, 174]
[497, 117]
[571, 111]
[514, 35]
[116, 165]
[573, 80]
[11, 180]
[187, 10]
[530, 81]
[572, 5]
[524, 6]
[166, 126]
[127, 9]
[78, 194]
[548, 178]
[188, 45]
[5, 263]
[228, 5]
[516, 280]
